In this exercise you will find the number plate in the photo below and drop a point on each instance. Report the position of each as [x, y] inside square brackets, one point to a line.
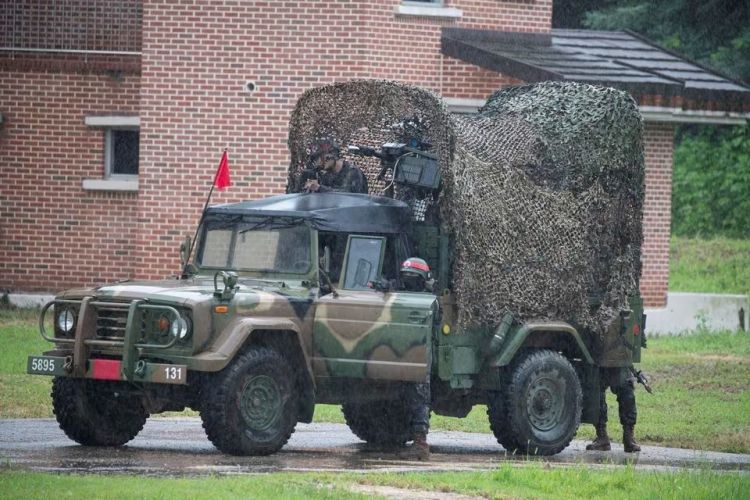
[46, 365]
[166, 374]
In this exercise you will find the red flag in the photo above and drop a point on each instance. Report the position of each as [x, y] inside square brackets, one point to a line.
[222, 179]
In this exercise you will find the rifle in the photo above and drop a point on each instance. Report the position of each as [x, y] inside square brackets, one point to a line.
[308, 174]
[642, 379]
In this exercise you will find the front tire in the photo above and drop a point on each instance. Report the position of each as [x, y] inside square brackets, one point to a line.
[97, 413]
[251, 406]
[543, 404]
[383, 423]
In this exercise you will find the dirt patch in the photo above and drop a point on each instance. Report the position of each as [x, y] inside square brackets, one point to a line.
[403, 493]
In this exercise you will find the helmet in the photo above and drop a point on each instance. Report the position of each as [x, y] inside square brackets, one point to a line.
[417, 267]
[322, 147]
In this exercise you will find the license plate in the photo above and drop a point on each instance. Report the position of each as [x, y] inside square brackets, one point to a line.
[166, 374]
[46, 365]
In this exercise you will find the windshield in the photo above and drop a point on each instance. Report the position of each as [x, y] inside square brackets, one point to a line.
[263, 245]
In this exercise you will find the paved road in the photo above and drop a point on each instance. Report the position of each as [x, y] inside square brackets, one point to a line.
[178, 446]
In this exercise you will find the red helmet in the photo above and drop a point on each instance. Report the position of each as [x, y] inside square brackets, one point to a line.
[417, 267]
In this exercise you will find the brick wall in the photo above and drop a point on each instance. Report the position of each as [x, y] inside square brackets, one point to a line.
[103, 25]
[52, 233]
[658, 144]
[197, 58]
[193, 103]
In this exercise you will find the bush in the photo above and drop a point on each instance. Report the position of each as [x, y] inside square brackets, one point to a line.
[711, 195]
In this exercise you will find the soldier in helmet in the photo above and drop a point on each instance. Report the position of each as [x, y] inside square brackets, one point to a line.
[415, 277]
[622, 383]
[336, 174]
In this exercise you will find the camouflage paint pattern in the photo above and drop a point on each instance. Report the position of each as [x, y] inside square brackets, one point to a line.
[369, 334]
[349, 334]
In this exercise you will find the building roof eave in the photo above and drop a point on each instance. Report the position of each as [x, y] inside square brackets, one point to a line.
[619, 59]
[678, 115]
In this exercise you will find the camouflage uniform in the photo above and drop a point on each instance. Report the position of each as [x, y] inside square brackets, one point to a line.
[413, 276]
[418, 396]
[349, 179]
[622, 383]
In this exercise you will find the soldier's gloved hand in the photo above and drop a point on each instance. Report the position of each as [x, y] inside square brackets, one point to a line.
[312, 186]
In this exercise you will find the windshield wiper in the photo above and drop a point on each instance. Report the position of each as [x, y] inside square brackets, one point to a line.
[275, 223]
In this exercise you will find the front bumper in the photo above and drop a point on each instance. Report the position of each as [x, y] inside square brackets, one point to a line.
[130, 368]
[108, 369]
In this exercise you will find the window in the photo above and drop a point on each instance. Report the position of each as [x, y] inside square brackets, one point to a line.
[364, 260]
[121, 145]
[262, 245]
[121, 152]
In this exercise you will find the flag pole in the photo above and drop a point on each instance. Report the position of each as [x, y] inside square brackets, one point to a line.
[205, 207]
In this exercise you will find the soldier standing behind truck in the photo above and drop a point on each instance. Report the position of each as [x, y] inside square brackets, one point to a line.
[621, 348]
[415, 277]
[622, 383]
[336, 174]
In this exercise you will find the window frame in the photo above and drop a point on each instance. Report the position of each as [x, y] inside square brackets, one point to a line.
[430, 9]
[109, 181]
[345, 266]
[109, 153]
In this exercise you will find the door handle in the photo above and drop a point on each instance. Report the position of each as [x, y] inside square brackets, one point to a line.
[418, 317]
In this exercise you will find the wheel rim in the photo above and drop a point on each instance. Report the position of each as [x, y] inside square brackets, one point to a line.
[260, 403]
[544, 402]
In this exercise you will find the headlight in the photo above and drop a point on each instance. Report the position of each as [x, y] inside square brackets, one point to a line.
[66, 320]
[179, 328]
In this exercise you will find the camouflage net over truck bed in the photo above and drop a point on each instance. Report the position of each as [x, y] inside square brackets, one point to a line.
[542, 190]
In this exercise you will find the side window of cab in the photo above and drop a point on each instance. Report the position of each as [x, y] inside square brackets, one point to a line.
[363, 261]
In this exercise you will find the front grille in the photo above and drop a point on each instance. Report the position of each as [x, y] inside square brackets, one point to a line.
[111, 321]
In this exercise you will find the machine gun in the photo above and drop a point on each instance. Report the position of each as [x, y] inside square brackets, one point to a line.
[409, 159]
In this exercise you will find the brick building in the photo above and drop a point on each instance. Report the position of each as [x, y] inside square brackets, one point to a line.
[115, 112]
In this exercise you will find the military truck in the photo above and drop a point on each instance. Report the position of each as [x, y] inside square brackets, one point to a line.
[283, 306]
[529, 215]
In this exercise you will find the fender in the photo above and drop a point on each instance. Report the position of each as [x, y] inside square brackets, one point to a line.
[517, 338]
[226, 346]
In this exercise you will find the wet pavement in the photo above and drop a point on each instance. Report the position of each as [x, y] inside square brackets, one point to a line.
[178, 446]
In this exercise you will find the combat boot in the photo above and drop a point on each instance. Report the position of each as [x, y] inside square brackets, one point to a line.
[602, 442]
[419, 450]
[628, 439]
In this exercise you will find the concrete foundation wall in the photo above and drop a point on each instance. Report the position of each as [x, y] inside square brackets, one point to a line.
[693, 311]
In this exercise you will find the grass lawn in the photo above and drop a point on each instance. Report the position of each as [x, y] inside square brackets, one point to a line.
[508, 481]
[701, 400]
[718, 265]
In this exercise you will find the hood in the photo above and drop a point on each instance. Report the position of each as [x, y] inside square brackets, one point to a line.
[178, 292]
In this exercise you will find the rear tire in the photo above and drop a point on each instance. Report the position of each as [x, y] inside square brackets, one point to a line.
[543, 404]
[384, 423]
[497, 413]
[251, 406]
[97, 413]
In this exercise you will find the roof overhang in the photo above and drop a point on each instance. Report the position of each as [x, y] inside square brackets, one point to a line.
[617, 59]
[678, 115]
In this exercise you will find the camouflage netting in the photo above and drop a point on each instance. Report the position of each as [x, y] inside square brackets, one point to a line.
[542, 190]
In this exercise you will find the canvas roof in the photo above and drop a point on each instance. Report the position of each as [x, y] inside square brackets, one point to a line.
[343, 212]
